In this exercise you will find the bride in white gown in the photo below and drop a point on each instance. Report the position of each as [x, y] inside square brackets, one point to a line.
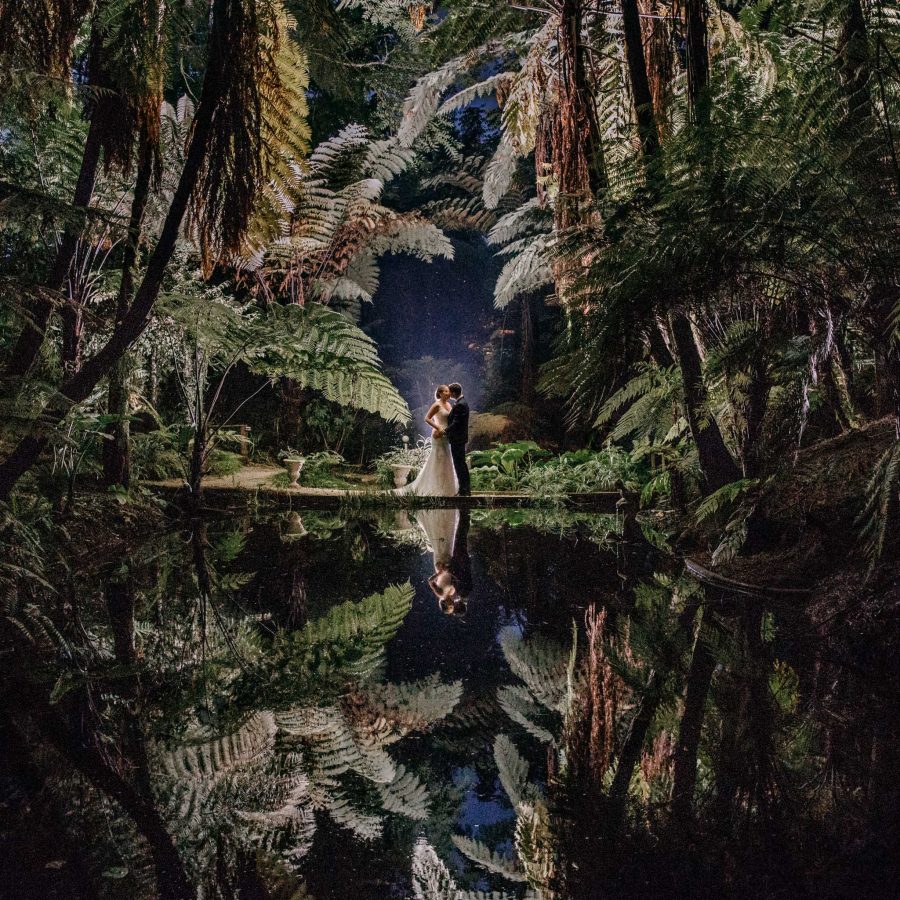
[438, 477]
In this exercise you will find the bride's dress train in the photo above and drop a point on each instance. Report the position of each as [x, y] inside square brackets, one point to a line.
[437, 477]
[439, 526]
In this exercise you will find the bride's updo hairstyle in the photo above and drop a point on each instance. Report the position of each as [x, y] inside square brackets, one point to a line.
[440, 390]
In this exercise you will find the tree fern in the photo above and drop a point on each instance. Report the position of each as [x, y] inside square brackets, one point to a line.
[350, 637]
[541, 664]
[415, 705]
[882, 498]
[482, 854]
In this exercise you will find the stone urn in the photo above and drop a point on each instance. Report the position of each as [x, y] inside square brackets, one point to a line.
[293, 466]
[401, 473]
[293, 527]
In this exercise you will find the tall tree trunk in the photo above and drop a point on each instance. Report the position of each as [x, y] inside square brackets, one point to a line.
[117, 448]
[697, 53]
[856, 75]
[630, 754]
[291, 400]
[659, 349]
[716, 464]
[77, 388]
[640, 82]
[751, 449]
[31, 337]
[577, 142]
[715, 460]
[700, 675]
[527, 374]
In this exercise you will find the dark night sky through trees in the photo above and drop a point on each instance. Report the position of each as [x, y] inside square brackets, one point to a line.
[435, 309]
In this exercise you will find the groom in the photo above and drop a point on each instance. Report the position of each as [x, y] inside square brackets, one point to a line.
[458, 436]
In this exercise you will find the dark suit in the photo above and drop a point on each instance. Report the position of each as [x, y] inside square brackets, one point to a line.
[460, 562]
[458, 436]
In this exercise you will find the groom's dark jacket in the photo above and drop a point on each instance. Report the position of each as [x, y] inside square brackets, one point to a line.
[458, 423]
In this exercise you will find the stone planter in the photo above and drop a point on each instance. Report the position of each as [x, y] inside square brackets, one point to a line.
[293, 527]
[401, 473]
[293, 467]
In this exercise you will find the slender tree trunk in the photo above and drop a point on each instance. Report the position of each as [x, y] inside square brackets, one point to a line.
[31, 337]
[697, 58]
[291, 400]
[527, 355]
[117, 448]
[699, 680]
[715, 459]
[659, 349]
[630, 754]
[120, 603]
[757, 400]
[72, 328]
[77, 388]
[172, 880]
[640, 83]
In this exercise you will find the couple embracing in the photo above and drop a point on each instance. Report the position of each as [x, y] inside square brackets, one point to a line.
[445, 473]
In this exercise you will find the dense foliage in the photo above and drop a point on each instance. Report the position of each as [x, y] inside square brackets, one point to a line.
[694, 210]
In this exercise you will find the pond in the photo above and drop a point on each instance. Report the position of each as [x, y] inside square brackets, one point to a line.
[436, 704]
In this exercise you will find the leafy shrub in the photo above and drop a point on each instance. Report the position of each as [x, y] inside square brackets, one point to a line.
[402, 456]
[223, 462]
[155, 455]
[503, 466]
[585, 471]
[524, 465]
[317, 471]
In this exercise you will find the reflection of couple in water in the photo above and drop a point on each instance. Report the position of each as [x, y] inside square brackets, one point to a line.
[447, 531]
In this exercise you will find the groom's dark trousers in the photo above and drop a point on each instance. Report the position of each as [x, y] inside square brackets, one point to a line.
[458, 436]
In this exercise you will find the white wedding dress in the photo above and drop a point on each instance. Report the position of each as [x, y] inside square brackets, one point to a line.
[438, 477]
[439, 527]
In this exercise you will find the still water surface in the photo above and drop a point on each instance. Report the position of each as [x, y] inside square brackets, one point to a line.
[434, 706]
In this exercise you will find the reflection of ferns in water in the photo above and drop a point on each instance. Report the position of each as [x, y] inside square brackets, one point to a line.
[543, 666]
[539, 705]
[431, 879]
[261, 785]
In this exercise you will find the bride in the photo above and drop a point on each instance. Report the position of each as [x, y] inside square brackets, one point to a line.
[438, 477]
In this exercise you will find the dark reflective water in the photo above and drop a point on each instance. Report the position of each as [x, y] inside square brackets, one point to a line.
[432, 706]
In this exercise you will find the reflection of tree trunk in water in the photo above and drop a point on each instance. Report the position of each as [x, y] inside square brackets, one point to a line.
[171, 878]
[630, 755]
[201, 569]
[744, 764]
[120, 608]
[699, 680]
